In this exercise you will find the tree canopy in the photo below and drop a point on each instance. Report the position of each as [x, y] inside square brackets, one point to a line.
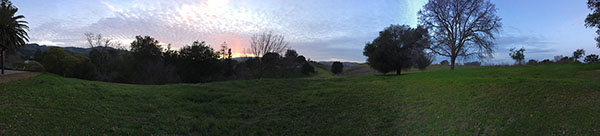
[593, 19]
[13, 29]
[518, 55]
[396, 47]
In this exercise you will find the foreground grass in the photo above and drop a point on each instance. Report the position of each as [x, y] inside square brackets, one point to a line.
[537, 100]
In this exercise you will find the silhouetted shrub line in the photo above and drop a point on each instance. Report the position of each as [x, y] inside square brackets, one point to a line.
[147, 62]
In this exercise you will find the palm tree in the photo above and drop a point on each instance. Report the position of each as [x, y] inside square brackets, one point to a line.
[13, 30]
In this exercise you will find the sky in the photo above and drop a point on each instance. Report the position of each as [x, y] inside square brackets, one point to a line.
[322, 30]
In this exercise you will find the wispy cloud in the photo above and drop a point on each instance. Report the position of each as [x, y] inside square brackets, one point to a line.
[320, 29]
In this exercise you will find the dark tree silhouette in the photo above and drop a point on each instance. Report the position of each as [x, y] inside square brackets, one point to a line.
[13, 30]
[532, 62]
[578, 54]
[593, 19]
[104, 54]
[518, 55]
[591, 59]
[444, 63]
[146, 48]
[424, 60]
[198, 63]
[337, 67]
[308, 69]
[397, 47]
[267, 42]
[461, 28]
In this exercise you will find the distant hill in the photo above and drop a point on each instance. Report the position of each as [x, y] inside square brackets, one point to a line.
[345, 63]
[240, 59]
[30, 49]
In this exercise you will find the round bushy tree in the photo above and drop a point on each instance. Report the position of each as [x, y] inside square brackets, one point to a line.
[307, 68]
[397, 47]
[337, 67]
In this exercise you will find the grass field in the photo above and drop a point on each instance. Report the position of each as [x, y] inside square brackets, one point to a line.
[535, 100]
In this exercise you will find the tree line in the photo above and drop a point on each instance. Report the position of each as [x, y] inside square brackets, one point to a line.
[148, 62]
[519, 56]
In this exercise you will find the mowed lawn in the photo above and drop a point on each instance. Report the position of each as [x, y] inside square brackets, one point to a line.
[536, 100]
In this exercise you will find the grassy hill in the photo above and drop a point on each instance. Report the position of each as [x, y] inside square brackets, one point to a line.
[536, 100]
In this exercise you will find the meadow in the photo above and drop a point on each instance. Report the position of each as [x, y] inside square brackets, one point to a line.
[533, 100]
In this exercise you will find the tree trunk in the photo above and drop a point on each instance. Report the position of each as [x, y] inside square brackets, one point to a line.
[399, 71]
[452, 62]
[3, 53]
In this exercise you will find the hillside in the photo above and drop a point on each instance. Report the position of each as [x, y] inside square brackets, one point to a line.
[535, 100]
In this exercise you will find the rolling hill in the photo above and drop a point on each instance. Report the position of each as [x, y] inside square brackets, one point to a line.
[533, 100]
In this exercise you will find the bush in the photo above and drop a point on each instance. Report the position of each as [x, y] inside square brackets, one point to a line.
[308, 69]
[337, 67]
[33, 66]
[591, 59]
[546, 61]
[474, 63]
[532, 62]
[565, 60]
[444, 63]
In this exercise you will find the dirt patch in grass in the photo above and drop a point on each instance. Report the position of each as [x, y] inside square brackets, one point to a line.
[593, 74]
[17, 76]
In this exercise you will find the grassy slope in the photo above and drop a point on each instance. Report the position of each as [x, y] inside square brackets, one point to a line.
[539, 100]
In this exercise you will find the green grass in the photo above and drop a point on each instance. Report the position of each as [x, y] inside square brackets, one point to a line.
[533, 100]
[321, 73]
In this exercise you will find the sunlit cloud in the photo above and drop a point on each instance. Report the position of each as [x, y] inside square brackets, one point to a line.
[320, 30]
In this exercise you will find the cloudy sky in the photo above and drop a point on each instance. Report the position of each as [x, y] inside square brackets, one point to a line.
[318, 29]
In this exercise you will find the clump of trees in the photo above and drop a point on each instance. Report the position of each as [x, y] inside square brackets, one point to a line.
[29, 66]
[577, 54]
[148, 62]
[337, 67]
[461, 28]
[398, 47]
[57, 61]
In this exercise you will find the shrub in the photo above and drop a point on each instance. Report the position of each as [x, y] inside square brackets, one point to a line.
[474, 63]
[33, 66]
[337, 67]
[533, 62]
[307, 69]
[444, 63]
[565, 60]
[591, 59]
[546, 61]
[18, 65]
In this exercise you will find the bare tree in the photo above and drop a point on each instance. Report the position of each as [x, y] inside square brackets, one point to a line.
[461, 28]
[97, 40]
[104, 50]
[267, 42]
